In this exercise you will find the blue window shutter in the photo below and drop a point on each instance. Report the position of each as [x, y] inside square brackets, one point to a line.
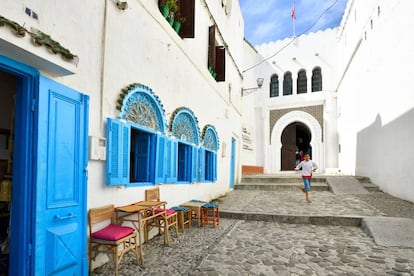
[194, 163]
[171, 160]
[201, 165]
[215, 166]
[160, 167]
[117, 152]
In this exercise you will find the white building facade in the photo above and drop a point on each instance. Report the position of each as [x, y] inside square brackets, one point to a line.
[79, 76]
[364, 109]
[296, 106]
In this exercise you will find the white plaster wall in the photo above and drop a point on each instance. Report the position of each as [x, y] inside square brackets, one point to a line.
[141, 47]
[375, 100]
[248, 157]
[178, 80]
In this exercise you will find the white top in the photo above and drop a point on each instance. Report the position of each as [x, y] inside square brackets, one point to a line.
[307, 167]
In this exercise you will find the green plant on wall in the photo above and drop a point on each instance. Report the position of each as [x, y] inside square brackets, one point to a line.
[173, 6]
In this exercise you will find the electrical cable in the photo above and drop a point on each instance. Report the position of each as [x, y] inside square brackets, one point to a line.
[290, 42]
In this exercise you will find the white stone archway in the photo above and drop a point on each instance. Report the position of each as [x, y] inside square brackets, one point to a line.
[273, 164]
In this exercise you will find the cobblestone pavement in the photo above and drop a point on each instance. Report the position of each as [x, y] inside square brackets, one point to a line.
[240, 247]
[293, 203]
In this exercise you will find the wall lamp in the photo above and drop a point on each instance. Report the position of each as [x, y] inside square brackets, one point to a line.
[247, 91]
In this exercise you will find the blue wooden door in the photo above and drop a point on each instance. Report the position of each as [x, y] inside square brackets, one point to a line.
[60, 190]
[232, 162]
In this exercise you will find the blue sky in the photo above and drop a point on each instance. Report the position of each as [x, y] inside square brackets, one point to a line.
[270, 20]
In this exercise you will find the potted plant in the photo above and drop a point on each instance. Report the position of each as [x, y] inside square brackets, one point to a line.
[173, 9]
[178, 21]
[165, 10]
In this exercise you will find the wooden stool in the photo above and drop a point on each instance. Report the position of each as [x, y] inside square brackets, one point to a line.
[195, 207]
[210, 214]
[184, 217]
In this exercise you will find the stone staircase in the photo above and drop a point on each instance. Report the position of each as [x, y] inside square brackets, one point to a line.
[279, 183]
[367, 184]
[292, 182]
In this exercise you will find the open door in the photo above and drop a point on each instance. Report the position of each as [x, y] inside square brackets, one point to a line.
[288, 155]
[60, 190]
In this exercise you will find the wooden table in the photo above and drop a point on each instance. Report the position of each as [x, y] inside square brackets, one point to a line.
[139, 214]
[195, 209]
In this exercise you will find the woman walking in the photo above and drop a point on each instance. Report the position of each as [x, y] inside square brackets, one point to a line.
[307, 166]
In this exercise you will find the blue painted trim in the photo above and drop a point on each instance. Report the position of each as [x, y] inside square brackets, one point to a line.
[22, 217]
[139, 184]
[117, 152]
[232, 162]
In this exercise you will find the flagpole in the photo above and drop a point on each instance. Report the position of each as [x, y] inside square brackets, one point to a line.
[293, 14]
[294, 28]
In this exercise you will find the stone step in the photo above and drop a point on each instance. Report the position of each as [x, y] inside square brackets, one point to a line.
[363, 179]
[371, 187]
[367, 184]
[316, 186]
[294, 219]
[277, 179]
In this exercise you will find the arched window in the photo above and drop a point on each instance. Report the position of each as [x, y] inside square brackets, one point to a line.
[316, 79]
[184, 127]
[274, 86]
[208, 155]
[136, 140]
[302, 82]
[287, 84]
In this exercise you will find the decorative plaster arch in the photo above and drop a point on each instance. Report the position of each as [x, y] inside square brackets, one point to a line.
[141, 106]
[184, 125]
[210, 138]
[274, 165]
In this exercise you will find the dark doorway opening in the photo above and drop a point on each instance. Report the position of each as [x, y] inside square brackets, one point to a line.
[295, 136]
[8, 84]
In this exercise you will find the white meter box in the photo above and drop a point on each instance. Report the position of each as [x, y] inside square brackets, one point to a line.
[97, 148]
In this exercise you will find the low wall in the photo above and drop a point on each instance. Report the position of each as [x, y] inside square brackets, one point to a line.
[252, 169]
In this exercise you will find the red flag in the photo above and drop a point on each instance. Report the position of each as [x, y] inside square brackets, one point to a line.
[293, 12]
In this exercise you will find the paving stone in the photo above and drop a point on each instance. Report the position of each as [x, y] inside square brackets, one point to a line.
[376, 257]
[244, 247]
[400, 269]
[378, 261]
[400, 260]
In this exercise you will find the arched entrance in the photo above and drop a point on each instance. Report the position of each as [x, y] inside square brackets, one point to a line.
[294, 136]
[312, 126]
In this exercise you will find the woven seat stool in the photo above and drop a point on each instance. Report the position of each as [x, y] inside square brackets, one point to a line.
[184, 217]
[210, 214]
[195, 206]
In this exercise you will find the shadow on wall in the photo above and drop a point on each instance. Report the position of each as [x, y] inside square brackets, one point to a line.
[385, 154]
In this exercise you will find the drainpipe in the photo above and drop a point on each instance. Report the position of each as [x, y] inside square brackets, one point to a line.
[103, 57]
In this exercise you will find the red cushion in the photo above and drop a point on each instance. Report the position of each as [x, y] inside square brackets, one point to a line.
[112, 232]
[167, 211]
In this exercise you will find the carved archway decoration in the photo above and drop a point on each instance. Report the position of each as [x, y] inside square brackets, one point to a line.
[184, 125]
[210, 138]
[138, 104]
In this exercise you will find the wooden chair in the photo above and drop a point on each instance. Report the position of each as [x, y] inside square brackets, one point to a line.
[113, 239]
[170, 219]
